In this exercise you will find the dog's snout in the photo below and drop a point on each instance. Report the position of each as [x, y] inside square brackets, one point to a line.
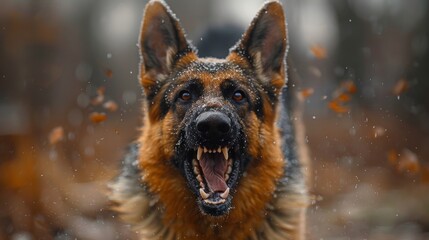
[213, 124]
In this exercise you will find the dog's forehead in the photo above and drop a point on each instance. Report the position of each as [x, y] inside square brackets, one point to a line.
[211, 71]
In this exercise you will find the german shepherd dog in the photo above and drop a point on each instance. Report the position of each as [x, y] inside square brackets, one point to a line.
[217, 157]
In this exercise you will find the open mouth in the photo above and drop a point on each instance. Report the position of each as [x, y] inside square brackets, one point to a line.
[213, 173]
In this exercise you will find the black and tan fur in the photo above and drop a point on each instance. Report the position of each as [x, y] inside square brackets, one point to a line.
[243, 100]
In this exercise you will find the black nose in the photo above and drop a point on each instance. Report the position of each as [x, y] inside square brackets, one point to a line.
[213, 124]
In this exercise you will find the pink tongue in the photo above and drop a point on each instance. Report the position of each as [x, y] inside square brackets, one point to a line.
[214, 167]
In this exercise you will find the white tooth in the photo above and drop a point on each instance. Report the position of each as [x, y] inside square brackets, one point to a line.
[201, 184]
[214, 203]
[203, 194]
[225, 194]
[225, 152]
[199, 153]
[196, 171]
[226, 177]
[199, 178]
[229, 170]
[205, 149]
[219, 150]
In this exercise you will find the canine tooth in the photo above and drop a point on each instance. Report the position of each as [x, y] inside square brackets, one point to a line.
[225, 152]
[226, 177]
[203, 194]
[199, 153]
[205, 149]
[225, 194]
[229, 170]
[219, 150]
[199, 178]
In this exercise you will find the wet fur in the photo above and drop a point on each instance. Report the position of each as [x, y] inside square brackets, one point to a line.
[271, 197]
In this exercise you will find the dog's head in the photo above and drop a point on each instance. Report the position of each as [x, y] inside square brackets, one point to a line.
[214, 117]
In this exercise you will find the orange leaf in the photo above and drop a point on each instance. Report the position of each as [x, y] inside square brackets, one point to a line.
[108, 73]
[97, 100]
[97, 117]
[400, 87]
[336, 107]
[101, 91]
[344, 97]
[392, 157]
[56, 135]
[349, 86]
[318, 51]
[307, 92]
[111, 106]
[100, 96]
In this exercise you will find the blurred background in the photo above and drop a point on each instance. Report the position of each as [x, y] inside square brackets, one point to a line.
[70, 104]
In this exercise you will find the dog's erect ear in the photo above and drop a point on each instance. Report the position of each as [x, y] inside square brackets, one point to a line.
[162, 43]
[264, 44]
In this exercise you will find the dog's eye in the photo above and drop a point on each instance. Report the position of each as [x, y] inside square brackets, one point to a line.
[238, 96]
[185, 95]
